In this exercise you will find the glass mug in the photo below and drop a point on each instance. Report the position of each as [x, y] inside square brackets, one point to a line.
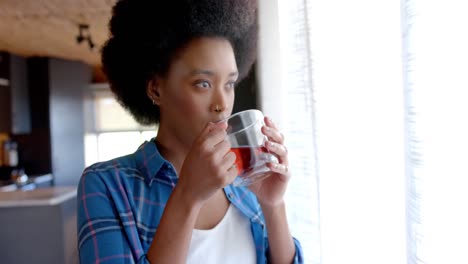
[248, 143]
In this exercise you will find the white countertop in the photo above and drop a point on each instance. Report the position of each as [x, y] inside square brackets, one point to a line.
[37, 197]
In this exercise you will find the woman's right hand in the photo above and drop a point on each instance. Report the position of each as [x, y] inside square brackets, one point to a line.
[209, 166]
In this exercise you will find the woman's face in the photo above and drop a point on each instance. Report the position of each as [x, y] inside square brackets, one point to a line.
[198, 88]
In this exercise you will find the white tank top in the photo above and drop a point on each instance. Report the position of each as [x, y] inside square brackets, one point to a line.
[229, 242]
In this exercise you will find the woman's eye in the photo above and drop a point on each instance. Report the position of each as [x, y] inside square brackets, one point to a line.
[231, 85]
[203, 84]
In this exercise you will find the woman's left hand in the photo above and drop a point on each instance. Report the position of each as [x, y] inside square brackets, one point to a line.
[270, 191]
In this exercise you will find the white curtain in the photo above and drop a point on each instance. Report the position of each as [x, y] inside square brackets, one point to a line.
[373, 98]
[286, 96]
[435, 45]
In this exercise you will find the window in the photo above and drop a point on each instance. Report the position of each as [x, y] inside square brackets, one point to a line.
[110, 130]
[383, 86]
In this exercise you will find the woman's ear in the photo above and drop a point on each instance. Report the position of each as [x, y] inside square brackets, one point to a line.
[153, 90]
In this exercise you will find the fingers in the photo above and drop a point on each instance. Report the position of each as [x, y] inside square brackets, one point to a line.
[222, 150]
[271, 131]
[275, 143]
[229, 158]
[228, 168]
[229, 162]
[231, 175]
[280, 169]
[278, 149]
[216, 145]
[270, 123]
[212, 129]
[222, 147]
[216, 135]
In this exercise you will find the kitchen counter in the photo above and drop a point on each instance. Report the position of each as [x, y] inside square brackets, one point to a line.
[39, 197]
[38, 226]
[33, 182]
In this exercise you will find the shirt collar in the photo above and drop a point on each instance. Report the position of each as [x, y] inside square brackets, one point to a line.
[245, 201]
[153, 166]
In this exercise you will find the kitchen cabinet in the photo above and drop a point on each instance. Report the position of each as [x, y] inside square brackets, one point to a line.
[5, 93]
[38, 226]
[14, 99]
[44, 101]
[5, 107]
[56, 142]
[4, 65]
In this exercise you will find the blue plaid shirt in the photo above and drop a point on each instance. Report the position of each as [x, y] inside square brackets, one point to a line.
[121, 201]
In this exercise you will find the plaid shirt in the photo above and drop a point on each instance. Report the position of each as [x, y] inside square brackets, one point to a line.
[120, 204]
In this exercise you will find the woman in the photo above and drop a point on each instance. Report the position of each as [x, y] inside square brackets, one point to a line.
[176, 63]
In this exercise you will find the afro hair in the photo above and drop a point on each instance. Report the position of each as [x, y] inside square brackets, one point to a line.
[145, 35]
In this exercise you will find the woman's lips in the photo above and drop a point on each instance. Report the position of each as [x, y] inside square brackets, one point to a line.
[219, 120]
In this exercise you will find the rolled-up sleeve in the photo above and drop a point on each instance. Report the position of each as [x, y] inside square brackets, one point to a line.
[299, 257]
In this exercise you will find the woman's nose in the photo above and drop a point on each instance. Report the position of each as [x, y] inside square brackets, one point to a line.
[219, 103]
[218, 107]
